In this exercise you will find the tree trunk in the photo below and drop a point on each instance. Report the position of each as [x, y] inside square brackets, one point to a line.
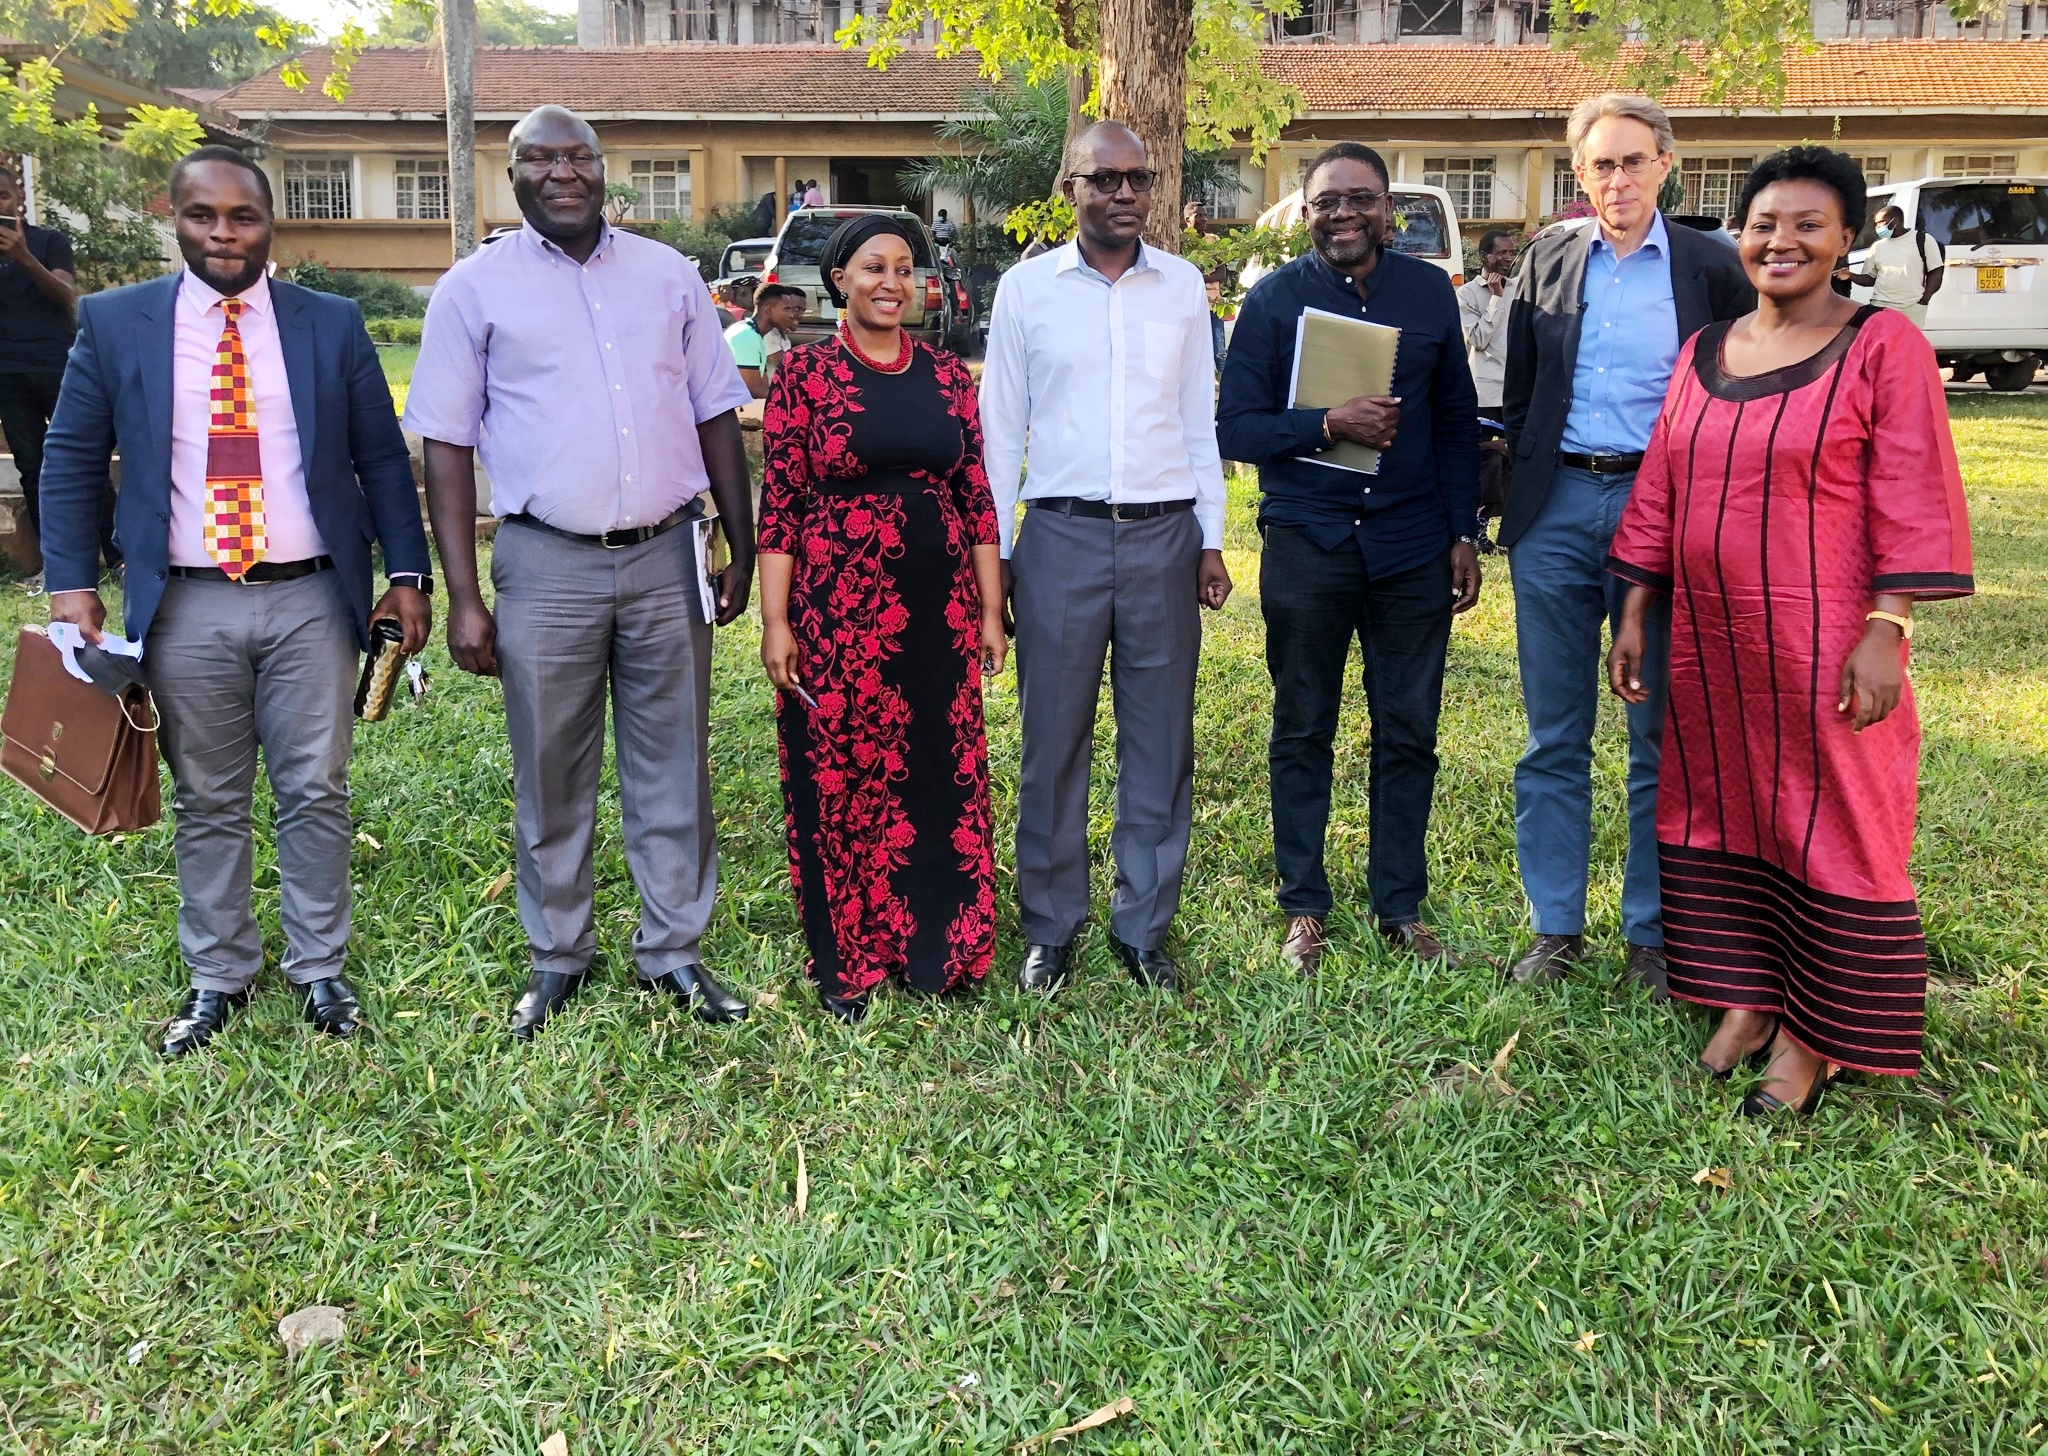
[1144, 83]
[1078, 84]
[458, 65]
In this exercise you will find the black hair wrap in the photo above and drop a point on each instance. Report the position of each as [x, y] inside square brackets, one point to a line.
[846, 240]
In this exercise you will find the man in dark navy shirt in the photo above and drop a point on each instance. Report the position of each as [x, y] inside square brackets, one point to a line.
[1390, 557]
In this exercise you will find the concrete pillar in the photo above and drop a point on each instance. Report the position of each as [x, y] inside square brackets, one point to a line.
[701, 189]
[1532, 189]
[781, 185]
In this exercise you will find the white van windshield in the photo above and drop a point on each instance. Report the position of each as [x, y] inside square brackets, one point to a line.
[1985, 212]
[1420, 229]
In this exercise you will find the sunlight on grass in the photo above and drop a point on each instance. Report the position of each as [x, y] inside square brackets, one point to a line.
[1197, 1202]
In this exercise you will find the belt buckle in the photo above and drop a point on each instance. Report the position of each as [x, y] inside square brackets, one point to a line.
[1116, 513]
[606, 541]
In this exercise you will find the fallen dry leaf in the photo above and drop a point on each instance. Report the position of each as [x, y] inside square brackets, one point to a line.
[1720, 1177]
[363, 836]
[768, 999]
[803, 1182]
[1459, 1079]
[1115, 1410]
[1584, 1343]
[497, 887]
[555, 1445]
[1006, 1290]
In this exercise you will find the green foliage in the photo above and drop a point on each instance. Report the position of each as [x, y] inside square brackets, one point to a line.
[404, 331]
[164, 42]
[378, 295]
[499, 22]
[706, 242]
[1228, 250]
[1007, 148]
[98, 194]
[1671, 196]
[1227, 1204]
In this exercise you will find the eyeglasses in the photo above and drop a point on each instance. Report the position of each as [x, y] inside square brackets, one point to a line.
[1329, 204]
[1109, 181]
[580, 159]
[1635, 165]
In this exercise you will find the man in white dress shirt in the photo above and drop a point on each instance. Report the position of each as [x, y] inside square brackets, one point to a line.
[1098, 409]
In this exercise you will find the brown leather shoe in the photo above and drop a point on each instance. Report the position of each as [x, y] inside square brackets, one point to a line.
[1647, 969]
[1549, 959]
[1416, 938]
[1303, 946]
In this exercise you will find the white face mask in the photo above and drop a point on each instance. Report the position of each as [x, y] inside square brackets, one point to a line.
[1885, 231]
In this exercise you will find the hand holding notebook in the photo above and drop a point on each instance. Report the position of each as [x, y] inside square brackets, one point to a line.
[1347, 364]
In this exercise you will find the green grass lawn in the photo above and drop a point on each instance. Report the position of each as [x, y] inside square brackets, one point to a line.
[964, 1225]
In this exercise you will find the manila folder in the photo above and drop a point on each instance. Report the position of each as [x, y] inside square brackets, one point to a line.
[1337, 359]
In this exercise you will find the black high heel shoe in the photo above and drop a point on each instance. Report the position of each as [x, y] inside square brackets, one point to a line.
[849, 1009]
[1759, 1058]
[1762, 1104]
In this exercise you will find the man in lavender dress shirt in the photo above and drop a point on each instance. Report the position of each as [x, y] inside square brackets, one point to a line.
[589, 367]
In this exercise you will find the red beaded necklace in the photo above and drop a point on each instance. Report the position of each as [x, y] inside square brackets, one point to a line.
[902, 358]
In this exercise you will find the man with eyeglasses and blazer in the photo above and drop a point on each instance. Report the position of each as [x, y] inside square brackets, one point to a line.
[1593, 334]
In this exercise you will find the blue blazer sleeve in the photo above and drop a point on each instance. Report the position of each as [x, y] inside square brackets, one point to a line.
[377, 446]
[77, 454]
[1253, 422]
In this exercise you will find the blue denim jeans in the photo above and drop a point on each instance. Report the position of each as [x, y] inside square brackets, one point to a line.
[1562, 594]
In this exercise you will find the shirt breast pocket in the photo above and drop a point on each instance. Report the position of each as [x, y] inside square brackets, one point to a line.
[1163, 349]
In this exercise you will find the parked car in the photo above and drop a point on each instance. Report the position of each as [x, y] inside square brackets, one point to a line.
[1425, 225]
[743, 258]
[1991, 313]
[794, 262]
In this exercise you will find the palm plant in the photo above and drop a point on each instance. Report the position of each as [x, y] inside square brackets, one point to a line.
[1009, 147]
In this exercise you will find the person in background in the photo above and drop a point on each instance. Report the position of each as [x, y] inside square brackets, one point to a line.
[1799, 495]
[881, 610]
[1212, 289]
[1593, 333]
[257, 472]
[813, 196]
[1098, 397]
[758, 343]
[1194, 217]
[588, 364]
[1902, 270]
[796, 195]
[944, 230]
[1483, 305]
[1387, 558]
[764, 214]
[37, 297]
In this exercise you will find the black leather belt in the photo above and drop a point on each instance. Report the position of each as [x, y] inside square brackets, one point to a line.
[1602, 464]
[611, 540]
[1095, 510]
[263, 573]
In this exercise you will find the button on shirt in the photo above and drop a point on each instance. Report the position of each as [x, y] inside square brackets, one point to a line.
[581, 384]
[1427, 490]
[1628, 346]
[287, 513]
[1104, 391]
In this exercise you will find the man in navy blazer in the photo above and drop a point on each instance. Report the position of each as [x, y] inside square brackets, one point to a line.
[260, 461]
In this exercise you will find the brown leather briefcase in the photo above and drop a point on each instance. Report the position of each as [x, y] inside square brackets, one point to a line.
[87, 754]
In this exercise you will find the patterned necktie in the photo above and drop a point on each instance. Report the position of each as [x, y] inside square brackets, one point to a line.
[235, 532]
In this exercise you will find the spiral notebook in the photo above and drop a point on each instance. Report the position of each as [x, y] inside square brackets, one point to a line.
[1338, 358]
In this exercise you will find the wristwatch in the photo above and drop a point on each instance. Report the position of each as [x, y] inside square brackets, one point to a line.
[424, 580]
[1472, 541]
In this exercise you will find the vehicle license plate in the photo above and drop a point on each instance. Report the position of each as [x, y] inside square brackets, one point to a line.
[1991, 280]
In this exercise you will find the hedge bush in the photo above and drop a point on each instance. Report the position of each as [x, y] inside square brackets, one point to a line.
[395, 330]
[378, 295]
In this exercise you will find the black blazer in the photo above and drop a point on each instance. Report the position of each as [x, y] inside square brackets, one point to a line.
[1707, 283]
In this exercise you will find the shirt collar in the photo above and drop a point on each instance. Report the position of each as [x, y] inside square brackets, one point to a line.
[530, 235]
[1343, 281]
[1069, 258]
[1658, 237]
[203, 296]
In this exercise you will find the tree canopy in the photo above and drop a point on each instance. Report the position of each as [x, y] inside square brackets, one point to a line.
[499, 22]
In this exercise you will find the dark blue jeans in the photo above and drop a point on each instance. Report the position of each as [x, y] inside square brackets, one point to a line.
[1315, 602]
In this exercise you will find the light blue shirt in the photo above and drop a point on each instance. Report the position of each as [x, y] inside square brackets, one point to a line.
[1628, 345]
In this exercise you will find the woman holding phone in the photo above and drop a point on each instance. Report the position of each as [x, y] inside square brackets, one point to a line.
[881, 609]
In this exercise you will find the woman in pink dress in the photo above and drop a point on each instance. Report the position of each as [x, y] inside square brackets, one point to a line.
[1799, 495]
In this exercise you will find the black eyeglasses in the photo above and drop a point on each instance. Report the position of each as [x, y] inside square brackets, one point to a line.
[1109, 181]
[580, 159]
[1329, 204]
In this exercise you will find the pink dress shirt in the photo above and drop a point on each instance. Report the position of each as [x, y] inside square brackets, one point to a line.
[288, 515]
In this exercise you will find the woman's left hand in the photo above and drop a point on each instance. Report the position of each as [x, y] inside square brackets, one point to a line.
[1872, 678]
[995, 644]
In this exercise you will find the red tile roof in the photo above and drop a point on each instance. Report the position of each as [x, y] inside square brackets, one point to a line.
[774, 81]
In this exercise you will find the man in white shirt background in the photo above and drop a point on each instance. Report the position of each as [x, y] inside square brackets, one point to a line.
[1483, 313]
[1097, 405]
[1903, 269]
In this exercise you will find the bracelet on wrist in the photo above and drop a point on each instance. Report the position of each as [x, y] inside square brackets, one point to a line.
[1904, 624]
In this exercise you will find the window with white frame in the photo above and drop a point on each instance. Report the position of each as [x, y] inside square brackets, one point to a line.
[422, 188]
[1564, 185]
[319, 189]
[664, 188]
[1712, 183]
[1469, 180]
[1979, 164]
[1876, 170]
[1222, 195]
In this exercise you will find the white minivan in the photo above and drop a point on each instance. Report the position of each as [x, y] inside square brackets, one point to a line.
[1991, 313]
[1425, 226]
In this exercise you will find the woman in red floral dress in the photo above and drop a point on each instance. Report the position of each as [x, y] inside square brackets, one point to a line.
[881, 608]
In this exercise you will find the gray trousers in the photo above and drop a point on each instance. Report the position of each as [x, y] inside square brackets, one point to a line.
[1082, 589]
[234, 669]
[573, 618]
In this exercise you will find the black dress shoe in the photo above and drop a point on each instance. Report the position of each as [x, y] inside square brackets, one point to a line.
[203, 1013]
[546, 993]
[1044, 967]
[707, 1000]
[849, 1009]
[1152, 968]
[1551, 958]
[331, 1006]
[1647, 968]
